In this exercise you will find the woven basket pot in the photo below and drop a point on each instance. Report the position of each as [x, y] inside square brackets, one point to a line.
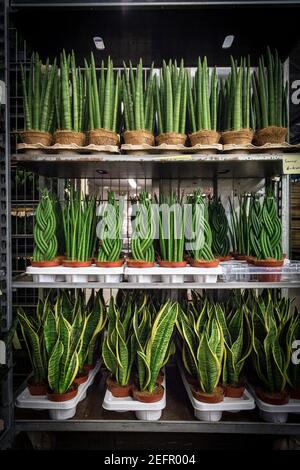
[270, 135]
[241, 137]
[36, 137]
[171, 138]
[204, 137]
[138, 137]
[64, 137]
[103, 137]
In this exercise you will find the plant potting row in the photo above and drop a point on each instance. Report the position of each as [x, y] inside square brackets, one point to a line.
[95, 104]
[226, 351]
[172, 230]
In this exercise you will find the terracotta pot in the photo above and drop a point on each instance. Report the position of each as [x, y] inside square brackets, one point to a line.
[239, 257]
[199, 263]
[224, 258]
[160, 378]
[172, 264]
[139, 263]
[76, 264]
[69, 395]
[81, 378]
[138, 137]
[269, 263]
[216, 397]
[147, 397]
[110, 264]
[233, 391]
[103, 137]
[204, 137]
[36, 389]
[36, 137]
[170, 138]
[45, 264]
[280, 398]
[65, 137]
[117, 390]
[241, 137]
[295, 393]
[270, 135]
[250, 259]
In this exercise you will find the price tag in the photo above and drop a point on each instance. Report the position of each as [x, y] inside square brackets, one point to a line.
[291, 164]
[175, 157]
[2, 353]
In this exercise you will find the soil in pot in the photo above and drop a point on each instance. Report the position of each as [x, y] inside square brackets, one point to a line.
[139, 263]
[36, 137]
[147, 397]
[117, 390]
[204, 137]
[233, 391]
[216, 397]
[201, 263]
[241, 137]
[170, 138]
[36, 389]
[45, 264]
[278, 398]
[69, 395]
[103, 137]
[172, 264]
[76, 264]
[110, 264]
[138, 137]
[81, 378]
[65, 137]
[270, 135]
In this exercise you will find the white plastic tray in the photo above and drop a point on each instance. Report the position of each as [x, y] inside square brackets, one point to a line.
[63, 274]
[173, 275]
[143, 411]
[213, 411]
[276, 413]
[234, 271]
[57, 410]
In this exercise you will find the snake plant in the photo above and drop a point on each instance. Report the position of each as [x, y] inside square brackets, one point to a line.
[69, 95]
[79, 220]
[239, 227]
[109, 229]
[270, 236]
[38, 94]
[235, 97]
[45, 241]
[269, 92]
[171, 227]
[153, 342]
[219, 228]
[119, 345]
[103, 96]
[200, 242]
[171, 98]
[202, 98]
[138, 99]
[255, 215]
[144, 229]
[202, 344]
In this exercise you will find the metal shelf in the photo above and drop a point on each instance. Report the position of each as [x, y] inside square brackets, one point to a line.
[178, 416]
[152, 166]
[25, 281]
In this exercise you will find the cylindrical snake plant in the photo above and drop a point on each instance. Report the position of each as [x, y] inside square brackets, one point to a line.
[138, 99]
[171, 98]
[38, 94]
[255, 214]
[79, 220]
[200, 242]
[144, 229]
[110, 244]
[202, 98]
[219, 227]
[44, 233]
[239, 227]
[270, 240]
[103, 96]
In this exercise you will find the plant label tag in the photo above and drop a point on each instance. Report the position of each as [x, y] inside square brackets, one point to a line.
[2, 353]
[291, 164]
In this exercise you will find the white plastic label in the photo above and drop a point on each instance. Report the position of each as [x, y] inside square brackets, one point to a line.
[2, 353]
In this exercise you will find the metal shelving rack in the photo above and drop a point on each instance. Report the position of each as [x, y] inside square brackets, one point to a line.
[222, 171]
